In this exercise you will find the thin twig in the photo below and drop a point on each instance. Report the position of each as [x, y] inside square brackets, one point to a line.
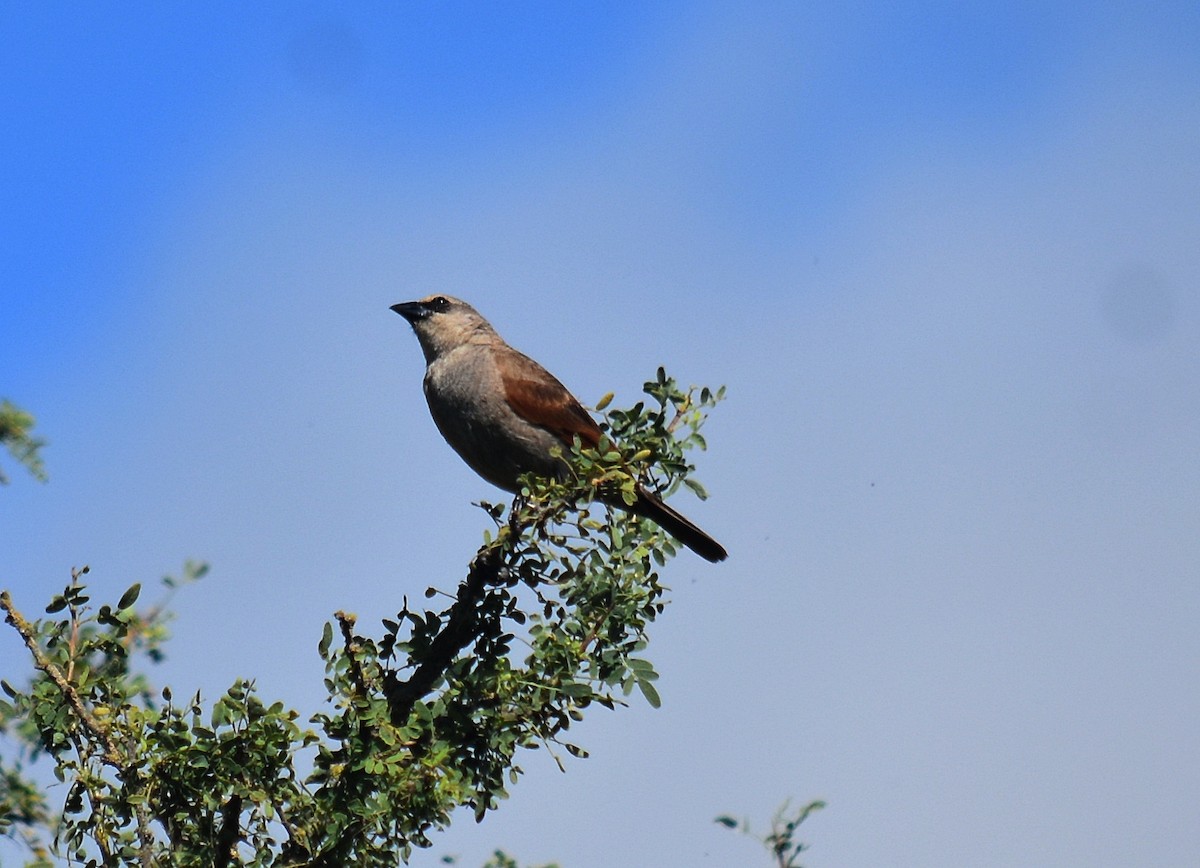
[95, 801]
[591, 635]
[680, 410]
[140, 811]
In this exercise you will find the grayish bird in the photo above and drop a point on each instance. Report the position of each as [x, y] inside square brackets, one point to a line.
[503, 413]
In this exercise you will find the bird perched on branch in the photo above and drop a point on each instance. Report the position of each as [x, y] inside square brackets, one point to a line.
[504, 414]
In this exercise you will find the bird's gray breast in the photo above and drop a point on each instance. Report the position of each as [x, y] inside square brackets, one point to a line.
[466, 399]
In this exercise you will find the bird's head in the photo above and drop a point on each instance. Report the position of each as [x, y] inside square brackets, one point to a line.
[442, 322]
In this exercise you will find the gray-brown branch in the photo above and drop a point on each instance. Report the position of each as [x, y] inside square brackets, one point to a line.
[462, 627]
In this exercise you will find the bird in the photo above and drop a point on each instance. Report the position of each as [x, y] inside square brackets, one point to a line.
[506, 415]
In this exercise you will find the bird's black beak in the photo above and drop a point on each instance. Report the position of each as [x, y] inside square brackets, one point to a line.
[411, 310]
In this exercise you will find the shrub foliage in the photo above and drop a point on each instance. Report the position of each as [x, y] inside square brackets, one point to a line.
[425, 716]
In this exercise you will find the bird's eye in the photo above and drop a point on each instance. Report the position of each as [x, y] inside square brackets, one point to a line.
[438, 303]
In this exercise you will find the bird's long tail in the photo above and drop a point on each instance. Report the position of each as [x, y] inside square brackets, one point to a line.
[649, 505]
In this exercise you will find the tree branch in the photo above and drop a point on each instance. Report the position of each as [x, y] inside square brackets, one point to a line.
[231, 827]
[111, 755]
[461, 627]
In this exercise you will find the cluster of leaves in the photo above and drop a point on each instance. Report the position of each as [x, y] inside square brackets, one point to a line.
[781, 840]
[15, 427]
[85, 710]
[424, 718]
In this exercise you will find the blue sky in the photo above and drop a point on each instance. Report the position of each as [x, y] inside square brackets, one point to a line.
[943, 255]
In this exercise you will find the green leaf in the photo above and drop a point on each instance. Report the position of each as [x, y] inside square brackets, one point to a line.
[130, 596]
[650, 693]
[643, 669]
[326, 640]
[727, 821]
[577, 690]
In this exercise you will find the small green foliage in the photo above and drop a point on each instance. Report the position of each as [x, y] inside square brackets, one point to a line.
[15, 428]
[781, 840]
[424, 718]
[88, 710]
[500, 859]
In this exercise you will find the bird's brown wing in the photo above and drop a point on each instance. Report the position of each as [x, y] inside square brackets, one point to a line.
[537, 397]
